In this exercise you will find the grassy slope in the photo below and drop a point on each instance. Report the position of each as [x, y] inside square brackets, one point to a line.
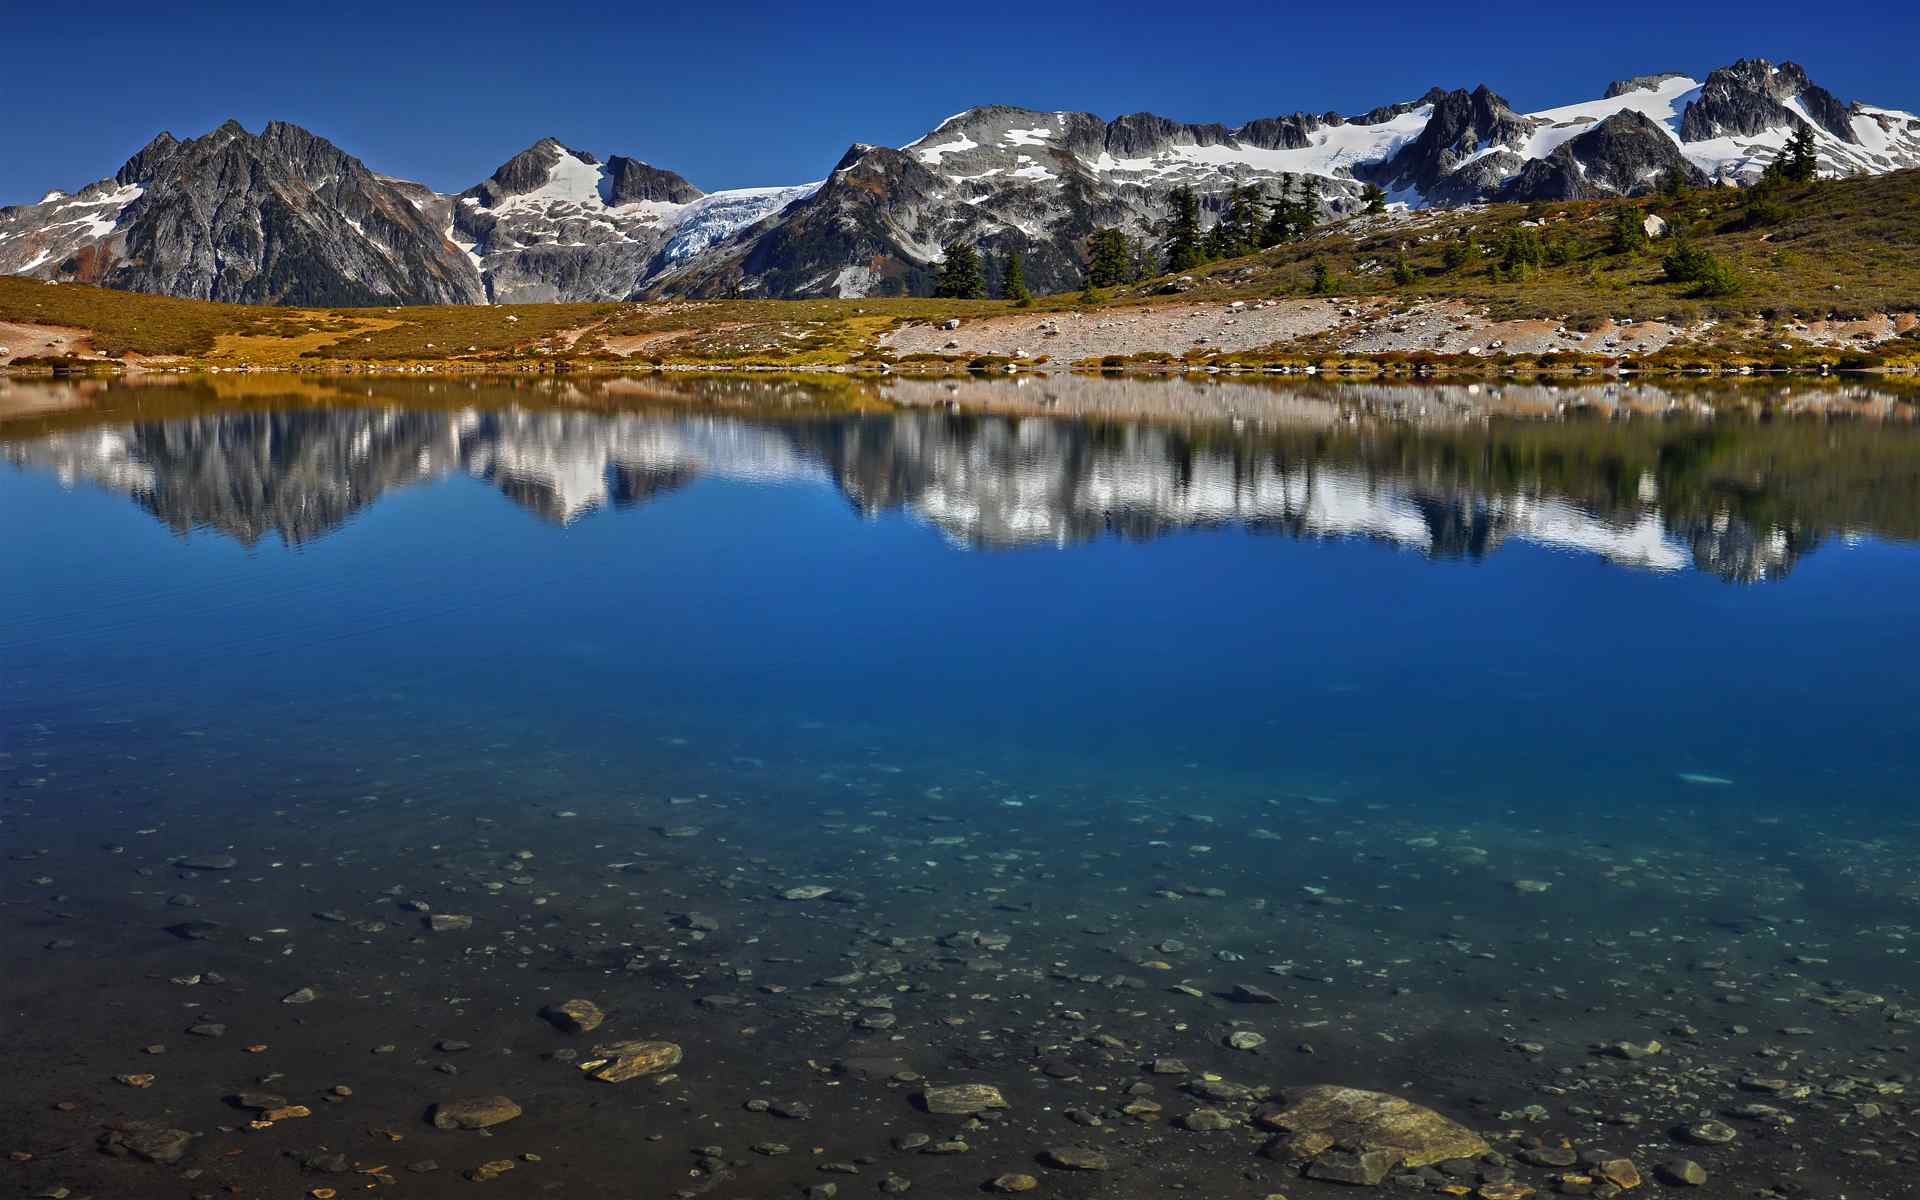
[1848, 247]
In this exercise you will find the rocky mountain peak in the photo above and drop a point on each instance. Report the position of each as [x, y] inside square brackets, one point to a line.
[529, 170]
[1640, 83]
[1754, 96]
[630, 181]
[1387, 112]
[147, 159]
[1464, 126]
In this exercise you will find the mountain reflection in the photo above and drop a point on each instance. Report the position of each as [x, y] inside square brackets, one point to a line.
[1742, 503]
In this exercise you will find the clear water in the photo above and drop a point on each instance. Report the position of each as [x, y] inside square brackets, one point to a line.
[1363, 660]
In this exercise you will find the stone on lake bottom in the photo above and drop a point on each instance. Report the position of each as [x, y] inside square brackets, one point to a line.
[479, 1112]
[1367, 1121]
[1682, 1172]
[618, 1062]
[962, 1099]
[1367, 1168]
[1076, 1158]
[575, 1016]
[1620, 1172]
[148, 1141]
[208, 862]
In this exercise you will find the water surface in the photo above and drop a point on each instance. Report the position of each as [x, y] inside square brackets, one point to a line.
[1457, 719]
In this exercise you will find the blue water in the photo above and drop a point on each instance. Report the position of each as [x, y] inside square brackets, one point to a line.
[1204, 691]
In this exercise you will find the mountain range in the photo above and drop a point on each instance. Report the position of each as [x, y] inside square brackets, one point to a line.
[286, 217]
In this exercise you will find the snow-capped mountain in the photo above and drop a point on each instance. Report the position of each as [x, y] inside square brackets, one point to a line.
[286, 217]
[554, 223]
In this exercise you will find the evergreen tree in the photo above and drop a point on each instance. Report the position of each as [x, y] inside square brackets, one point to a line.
[1629, 231]
[1307, 215]
[1142, 264]
[1761, 206]
[1219, 241]
[1673, 185]
[1183, 231]
[1376, 199]
[1801, 158]
[1402, 273]
[1242, 219]
[1109, 259]
[960, 275]
[1280, 217]
[1686, 263]
[1322, 278]
[1013, 281]
[1521, 252]
[1458, 253]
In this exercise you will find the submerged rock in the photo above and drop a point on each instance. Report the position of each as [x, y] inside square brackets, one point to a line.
[618, 1062]
[1075, 1158]
[1320, 1118]
[962, 1099]
[208, 862]
[478, 1112]
[1367, 1168]
[148, 1141]
[575, 1016]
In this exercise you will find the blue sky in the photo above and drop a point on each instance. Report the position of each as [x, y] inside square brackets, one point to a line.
[748, 93]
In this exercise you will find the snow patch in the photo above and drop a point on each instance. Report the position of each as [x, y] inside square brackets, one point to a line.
[933, 154]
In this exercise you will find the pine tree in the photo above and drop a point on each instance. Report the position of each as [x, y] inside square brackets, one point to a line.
[1183, 231]
[960, 275]
[1629, 231]
[1322, 278]
[1376, 199]
[1686, 263]
[1402, 273]
[1458, 253]
[1140, 255]
[1242, 221]
[1108, 259]
[1013, 281]
[1521, 251]
[1219, 242]
[1673, 185]
[1279, 223]
[1801, 156]
[1308, 214]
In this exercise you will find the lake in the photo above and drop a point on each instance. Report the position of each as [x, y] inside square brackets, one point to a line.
[1544, 755]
